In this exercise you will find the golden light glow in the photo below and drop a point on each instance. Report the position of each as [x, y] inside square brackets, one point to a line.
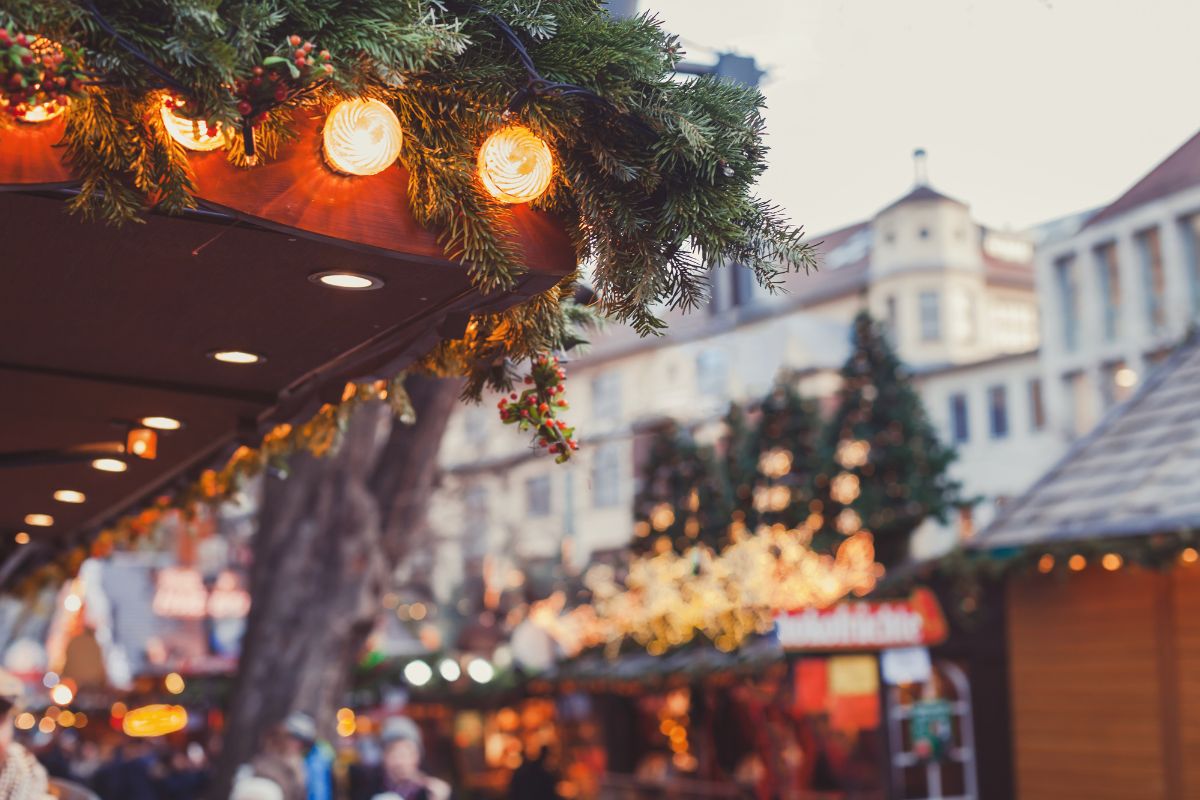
[194, 134]
[1111, 562]
[39, 520]
[848, 522]
[73, 603]
[81, 720]
[346, 727]
[69, 496]
[236, 357]
[1125, 377]
[1189, 555]
[66, 719]
[668, 599]
[662, 517]
[21, 538]
[161, 423]
[110, 465]
[775, 463]
[418, 673]
[118, 709]
[362, 137]
[1045, 563]
[143, 443]
[173, 683]
[853, 453]
[62, 694]
[1076, 562]
[515, 165]
[154, 720]
[47, 725]
[25, 721]
[43, 113]
[845, 488]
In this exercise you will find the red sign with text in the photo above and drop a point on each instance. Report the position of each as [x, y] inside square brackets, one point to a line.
[914, 621]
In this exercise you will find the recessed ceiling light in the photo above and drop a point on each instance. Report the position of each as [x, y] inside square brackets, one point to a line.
[347, 280]
[39, 520]
[110, 465]
[21, 538]
[236, 357]
[162, 423]
[69, 496]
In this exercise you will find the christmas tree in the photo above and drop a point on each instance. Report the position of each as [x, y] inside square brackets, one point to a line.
[886, 471]
[682, 501]
[773, 463]
[785, 444]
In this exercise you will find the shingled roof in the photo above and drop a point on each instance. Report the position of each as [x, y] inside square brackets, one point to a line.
[1134, 475]
[1178, 171]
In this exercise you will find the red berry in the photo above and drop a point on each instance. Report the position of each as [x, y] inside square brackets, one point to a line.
[21, 40]
[280, 94]
[256, 82]
[562, 403]
[294, 40]
[513, 396]
[308, 47]
[301, 53]
[27, 59]
[300, 62]
[524, 412]
[528, 379]
[244, 108]
[326, 55]
[258, 70]
[328, 69]
[543, 408]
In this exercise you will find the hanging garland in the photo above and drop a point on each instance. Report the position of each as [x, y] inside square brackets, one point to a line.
[652, 176]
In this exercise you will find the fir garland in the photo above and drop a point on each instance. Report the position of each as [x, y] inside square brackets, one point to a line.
[655, 176]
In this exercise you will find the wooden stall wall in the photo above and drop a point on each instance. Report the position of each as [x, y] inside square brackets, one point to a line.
[1105, 682]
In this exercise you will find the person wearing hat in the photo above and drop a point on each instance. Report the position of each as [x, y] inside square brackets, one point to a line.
[21, 776]
[281, 759]
[399, 777]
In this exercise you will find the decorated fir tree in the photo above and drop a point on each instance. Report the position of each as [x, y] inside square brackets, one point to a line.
[784, 446]
[682, 501]
[885, 470]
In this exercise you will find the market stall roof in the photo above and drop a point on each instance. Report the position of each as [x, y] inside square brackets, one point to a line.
[1133, 475]
[102, 325]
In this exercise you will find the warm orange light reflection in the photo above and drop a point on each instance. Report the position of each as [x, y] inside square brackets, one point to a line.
[362, 137]
[143, 443]
[154, 720]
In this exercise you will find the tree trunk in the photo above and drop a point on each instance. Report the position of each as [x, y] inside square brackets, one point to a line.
[329, 535]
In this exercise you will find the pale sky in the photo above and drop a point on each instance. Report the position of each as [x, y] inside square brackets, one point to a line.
[1029, 109]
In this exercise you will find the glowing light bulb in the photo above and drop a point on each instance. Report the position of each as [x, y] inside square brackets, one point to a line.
[39, 520]
[450, 670]
[418, 673]
[62, 694]
[236, 357]
[69, 496]
[21, 538]
[73, 603]
[480, 670]
[173, 683]
[154, 720]
[162, 423]
[194, 134]
[515, 165]
[43, 113]
[362, 137]
[110, 465]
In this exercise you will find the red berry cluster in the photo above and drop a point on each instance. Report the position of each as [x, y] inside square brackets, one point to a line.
[295, 65]
[36, 72]
[536, 408]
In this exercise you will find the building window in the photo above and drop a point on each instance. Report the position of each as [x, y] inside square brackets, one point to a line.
[1191, 247]
[965, 314]
[998, 411]
[931, 317]
[537, 496]
[1079, 402]
[1108, 278]
[1068, 300]
[712, 373]
[1037, 405]
[1150, 252]
[606, 477]
[890, 317]
[606, 396]
[960, 426]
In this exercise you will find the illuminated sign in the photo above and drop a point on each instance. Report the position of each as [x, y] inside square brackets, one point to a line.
[916, 620]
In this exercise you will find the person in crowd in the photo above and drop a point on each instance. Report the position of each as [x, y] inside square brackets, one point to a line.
[182, 779]
[282, 757]
[399, 777]
[58, 756]
[533, 780]
[21, 776]
[318, 770]
[253, 788]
